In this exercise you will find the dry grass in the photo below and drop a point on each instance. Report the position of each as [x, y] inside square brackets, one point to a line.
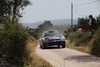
[85, 49]
[34, 59]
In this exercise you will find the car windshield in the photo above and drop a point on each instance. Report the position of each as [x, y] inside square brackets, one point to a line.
[54, 33]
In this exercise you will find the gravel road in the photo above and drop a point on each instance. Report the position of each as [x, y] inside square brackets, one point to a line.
[60, 57]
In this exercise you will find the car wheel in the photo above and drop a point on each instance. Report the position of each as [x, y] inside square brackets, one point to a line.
[40, 46]
[43, 46]
[58, 46]
[63, 46]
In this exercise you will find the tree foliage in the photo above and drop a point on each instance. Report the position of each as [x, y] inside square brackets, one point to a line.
[12, 7]
[83, 23]
[13, 40]
[96, 44]
[13, 36]
[98, 20]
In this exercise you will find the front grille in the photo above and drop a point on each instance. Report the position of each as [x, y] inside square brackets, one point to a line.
[54, 39]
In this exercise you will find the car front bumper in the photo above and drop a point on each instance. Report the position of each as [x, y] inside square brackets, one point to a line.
[54, 43]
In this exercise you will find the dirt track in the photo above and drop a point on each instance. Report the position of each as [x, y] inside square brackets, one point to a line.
[60, 57]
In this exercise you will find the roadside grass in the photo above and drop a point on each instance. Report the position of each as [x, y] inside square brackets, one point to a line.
[33, 58]
[79, 41]
[87, 43]
[83, 48]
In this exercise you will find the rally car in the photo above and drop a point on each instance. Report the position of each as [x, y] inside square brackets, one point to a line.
[51, 38]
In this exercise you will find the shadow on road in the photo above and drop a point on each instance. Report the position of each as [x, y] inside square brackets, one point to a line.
[84, 58]
[52, 47]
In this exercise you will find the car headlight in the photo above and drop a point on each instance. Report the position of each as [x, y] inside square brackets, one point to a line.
[45, 39]
[62, 38]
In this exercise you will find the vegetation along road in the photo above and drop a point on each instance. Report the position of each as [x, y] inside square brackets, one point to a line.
[60, 57]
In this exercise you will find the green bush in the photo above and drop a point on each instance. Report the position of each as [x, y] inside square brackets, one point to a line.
[86, 38]
[13, 41]
[82, 23]
[98, 20]
[35, 35]
[79, 38]
[96, 44]
[17, 47]
[66, 35]
[73, 36]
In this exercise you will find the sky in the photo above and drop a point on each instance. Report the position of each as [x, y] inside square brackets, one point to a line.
[41, 10]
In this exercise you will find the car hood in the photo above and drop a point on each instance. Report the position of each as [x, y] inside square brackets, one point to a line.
[53, 37]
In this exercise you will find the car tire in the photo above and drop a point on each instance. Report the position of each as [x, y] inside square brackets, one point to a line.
[43, 47]
[40, 46]
[58, 46]
[63, 46]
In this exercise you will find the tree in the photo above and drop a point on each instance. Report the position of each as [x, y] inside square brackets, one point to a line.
[12, 8]
[83, 23]
[17, 5]
[13, 36]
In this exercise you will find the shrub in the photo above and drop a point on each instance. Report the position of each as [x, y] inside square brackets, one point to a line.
[66, 35]
[98, 20]
[79, 38]
[86, 38]
[13, 40]
[82, 23]
[96, 44]
[74, 36]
